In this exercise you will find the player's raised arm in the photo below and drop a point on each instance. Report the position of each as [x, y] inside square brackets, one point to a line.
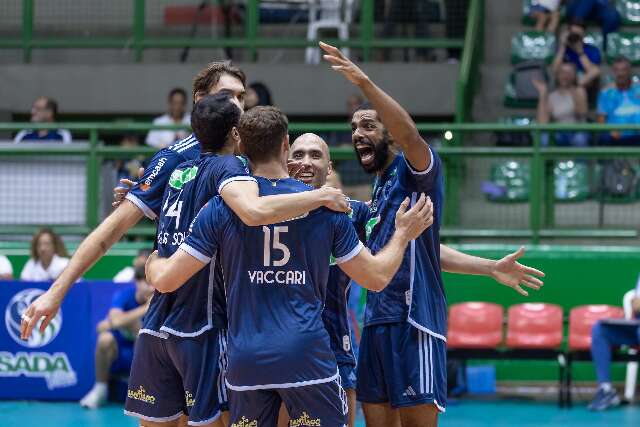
[244, 199]
[507, 271]
[397, 121]
[374, 272]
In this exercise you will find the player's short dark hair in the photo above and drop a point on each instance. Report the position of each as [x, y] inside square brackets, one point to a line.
[51, 105]
[212, 118]
[262, 130]
[366, 105]
[210, 76]
[620, 59]
[177, 91]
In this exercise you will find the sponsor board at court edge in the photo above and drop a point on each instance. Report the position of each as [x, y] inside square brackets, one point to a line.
[54, 368]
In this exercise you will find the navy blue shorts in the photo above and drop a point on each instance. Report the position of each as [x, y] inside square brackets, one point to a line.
[175, 376]
[347, 375]
[402, 365]
[311, 405]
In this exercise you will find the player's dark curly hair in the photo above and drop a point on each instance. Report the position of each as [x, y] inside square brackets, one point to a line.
[262, 130]
[212, 118]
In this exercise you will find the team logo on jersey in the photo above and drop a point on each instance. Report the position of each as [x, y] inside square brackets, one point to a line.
[370, 225]
[180, 177]
[141, 395]
[12, 319]
[305, 420]
[154, 173]
[244, 422]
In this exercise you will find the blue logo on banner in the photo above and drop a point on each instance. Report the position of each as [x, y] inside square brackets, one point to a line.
[13, 314]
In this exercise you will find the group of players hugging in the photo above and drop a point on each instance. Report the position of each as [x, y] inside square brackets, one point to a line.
[248, 324]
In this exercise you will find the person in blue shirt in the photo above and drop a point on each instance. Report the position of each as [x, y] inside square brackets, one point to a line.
[619, 103]
[275, 281]
[44, 110]
[402, 356]
[116, 335]
[309, 161]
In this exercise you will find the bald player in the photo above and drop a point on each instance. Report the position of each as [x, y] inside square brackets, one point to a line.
[310, 162]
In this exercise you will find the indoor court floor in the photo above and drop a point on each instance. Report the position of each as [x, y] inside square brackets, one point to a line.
[468, 413]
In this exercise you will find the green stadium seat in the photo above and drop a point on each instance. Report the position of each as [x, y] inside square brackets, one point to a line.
[532, 45]
[595, 38]
[519, 91]
[629, 11]
[572, 182]
[514, 178]
[625, 44]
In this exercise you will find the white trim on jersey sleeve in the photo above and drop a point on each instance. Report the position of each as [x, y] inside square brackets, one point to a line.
[195, 253]
[355, 251]
[20, 136]
[66, 136]
[424, 172]
[142, 206]
[282, 385]
[235, 178]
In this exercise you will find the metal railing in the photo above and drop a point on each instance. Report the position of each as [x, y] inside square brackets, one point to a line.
[469, 79]
[541, 202]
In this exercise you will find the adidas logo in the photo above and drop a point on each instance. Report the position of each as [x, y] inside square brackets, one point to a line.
[409, 392]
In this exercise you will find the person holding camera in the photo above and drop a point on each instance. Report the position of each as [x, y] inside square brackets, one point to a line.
[585, 56]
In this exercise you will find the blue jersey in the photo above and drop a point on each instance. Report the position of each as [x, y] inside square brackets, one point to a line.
[416, 292]
[199, 304]
[336, 314]
[147, 193]
[276, 279]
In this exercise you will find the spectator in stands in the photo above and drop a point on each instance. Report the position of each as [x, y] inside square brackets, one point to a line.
[619, 103]
[127, 274]
[567, 103]
[546, 13]
[6, 269]
[128, 168]
[604, 336]
[176, 115]
[257, 94]
[601, 11]
[48, 257]
[400, 13]
[44, 110]
[116, 336]
[586, 57]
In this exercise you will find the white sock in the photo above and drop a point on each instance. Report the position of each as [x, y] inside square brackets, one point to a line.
[607, 387]
[101, 387]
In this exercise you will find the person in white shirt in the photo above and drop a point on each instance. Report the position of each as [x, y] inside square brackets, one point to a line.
[127, 274]
[176, 115]
[6, 270]
[48, 257]
[546, 13]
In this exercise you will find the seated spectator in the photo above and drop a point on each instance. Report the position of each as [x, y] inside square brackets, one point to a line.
[586, 58]
[127, 274]
[6, 270]
[567, 103]
[257, 94]
[603, 337]
[48, 257]
[619, 103]
[602, 11]
[175, 116]
[116, 336]
[546, 13]
[44, 110]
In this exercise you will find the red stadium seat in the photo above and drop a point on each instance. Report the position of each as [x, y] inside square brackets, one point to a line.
[534, 326]
[189, 15]
[475, 325]
[582, 319]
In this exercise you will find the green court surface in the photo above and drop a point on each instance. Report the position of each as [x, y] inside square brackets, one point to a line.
[468, 413]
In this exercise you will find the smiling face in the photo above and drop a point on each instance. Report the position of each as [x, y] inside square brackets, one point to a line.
[313, 154]
[370, 140]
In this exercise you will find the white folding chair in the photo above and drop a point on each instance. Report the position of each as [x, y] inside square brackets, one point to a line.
[632, 367]
[327, 14]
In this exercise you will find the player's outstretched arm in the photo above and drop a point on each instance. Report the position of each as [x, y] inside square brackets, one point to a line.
[395, 118]
[244, 199]
[507, 271]
[168, 274]
[90, 250]
[375, 272]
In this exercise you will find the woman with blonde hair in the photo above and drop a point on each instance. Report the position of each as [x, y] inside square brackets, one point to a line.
[48, 257]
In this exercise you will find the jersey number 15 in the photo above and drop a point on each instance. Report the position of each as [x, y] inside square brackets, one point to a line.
[277, 245]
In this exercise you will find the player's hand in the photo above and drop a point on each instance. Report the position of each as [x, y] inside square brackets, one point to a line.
[334, 199]
[509, 272]
[343, 65]
[295, 167]
[45, 306]
[121, 191]
[152, 257]
[411, 223]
